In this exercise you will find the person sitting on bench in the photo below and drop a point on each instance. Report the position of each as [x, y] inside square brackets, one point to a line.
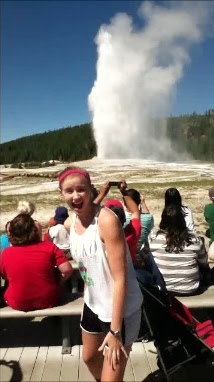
[180, 256]
[29, 267]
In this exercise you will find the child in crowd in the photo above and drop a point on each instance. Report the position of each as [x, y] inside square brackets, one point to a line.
[57, 232]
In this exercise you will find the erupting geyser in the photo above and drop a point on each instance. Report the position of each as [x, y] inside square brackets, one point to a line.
[137, 73]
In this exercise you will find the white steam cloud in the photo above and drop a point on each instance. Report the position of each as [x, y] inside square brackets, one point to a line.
[137, 73]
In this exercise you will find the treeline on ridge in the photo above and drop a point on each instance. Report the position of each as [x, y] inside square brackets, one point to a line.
[67, 144]
[192, 133]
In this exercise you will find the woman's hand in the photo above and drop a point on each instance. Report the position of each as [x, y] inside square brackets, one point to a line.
[103, 192]
[142, 197]
[122, 186]
[113, 346]
[105, 188]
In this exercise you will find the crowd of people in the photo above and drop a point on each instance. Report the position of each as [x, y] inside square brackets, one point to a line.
[115, 246]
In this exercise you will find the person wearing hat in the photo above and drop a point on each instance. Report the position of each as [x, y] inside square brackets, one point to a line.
[209, 214]
[57, 233]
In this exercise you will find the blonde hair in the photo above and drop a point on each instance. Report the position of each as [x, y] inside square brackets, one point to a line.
[25, 207]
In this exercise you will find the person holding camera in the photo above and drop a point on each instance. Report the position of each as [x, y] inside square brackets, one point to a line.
[147, 219]
[112, 298]
[132, 230]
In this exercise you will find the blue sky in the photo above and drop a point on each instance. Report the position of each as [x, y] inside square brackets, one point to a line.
[49, 64]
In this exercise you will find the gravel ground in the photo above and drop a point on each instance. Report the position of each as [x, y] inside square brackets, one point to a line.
[193, 179]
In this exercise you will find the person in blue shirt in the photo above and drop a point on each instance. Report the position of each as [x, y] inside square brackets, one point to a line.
[147, 220]
[4, 241]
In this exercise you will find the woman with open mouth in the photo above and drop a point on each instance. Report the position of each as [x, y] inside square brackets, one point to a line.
[111, 315]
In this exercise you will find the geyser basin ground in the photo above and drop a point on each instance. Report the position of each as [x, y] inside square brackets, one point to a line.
[152, 178]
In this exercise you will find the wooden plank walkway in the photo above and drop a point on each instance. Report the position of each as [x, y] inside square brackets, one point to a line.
[31, 351]
[46, 363]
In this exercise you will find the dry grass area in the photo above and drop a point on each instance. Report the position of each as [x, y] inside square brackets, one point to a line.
[151, 178]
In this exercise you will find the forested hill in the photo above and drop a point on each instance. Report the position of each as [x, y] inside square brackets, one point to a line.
[194, 134]
[191, 133]
[65, 144]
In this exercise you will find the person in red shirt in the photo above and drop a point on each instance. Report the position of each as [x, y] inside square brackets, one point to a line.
[133, 230]
[29, 267]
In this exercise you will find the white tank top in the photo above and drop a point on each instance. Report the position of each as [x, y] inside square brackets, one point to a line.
[88, 251]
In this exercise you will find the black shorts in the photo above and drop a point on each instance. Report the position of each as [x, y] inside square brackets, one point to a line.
[91, 323]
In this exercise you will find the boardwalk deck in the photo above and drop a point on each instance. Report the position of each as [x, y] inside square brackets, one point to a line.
[31, 351]
[48, 364]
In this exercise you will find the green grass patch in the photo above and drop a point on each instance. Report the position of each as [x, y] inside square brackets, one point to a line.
[50, 198]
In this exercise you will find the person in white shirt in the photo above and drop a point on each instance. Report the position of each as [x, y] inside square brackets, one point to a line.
[112, 298]
[58, 233]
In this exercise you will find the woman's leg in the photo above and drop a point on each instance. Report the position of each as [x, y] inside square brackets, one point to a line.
[110, 375]
[91, 356]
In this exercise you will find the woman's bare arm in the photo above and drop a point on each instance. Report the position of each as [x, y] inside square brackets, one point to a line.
[129, 202]
[116, 253]
[103, 192]
[144, 207]
[67, 224]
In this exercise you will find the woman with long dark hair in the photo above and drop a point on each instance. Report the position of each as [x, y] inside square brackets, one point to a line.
[179, 255]
[173, 196]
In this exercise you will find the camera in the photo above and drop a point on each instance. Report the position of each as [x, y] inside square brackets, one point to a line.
[114, 184]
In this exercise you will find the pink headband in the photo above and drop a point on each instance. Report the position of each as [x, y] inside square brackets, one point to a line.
[74, 171]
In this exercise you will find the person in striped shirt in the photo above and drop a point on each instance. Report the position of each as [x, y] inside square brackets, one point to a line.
[180, 255]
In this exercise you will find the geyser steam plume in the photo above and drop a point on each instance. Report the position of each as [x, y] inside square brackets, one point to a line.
[137, 73]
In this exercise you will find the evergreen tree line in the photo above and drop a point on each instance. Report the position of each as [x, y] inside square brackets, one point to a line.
[193, 134]
[66, 144]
